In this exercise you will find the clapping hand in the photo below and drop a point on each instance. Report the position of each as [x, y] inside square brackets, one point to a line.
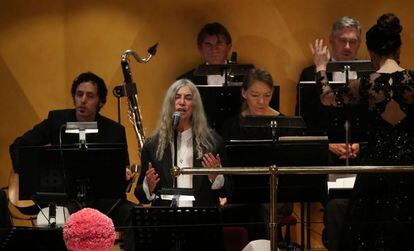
[340, 150]
[130, 171]
[211, 161]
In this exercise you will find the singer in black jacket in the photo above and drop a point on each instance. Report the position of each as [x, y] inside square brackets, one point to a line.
[198, 146]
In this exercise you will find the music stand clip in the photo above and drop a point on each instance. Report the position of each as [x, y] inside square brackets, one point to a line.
[228, 70]
[82, 128]
[274, 123]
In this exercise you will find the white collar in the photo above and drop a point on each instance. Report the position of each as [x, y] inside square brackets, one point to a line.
[186, 134]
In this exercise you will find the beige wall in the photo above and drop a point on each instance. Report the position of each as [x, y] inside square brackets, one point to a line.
[44, 44]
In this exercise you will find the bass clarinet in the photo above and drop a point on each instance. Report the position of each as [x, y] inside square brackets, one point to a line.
[130, 91]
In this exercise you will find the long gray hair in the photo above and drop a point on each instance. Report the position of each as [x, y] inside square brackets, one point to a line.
[202, 134]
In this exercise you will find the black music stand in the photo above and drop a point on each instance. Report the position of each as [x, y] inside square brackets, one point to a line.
[288, 151]
[176, 194]
[291, 151]
[178, 229]
[347, 66]
[230, 71]
[353, 65]
[325, 120]
[221, 103]
[30, 238]
[329, 120]
[97, 172]
[274, 126]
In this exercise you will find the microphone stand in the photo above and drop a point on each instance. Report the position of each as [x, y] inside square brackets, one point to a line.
[346, 66]
[347, 124]
[174, 199]
[118, 93]
[227, 70]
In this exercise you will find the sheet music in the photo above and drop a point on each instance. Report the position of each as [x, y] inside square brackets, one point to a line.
[179, 198]
[343, 183]
[330, 82]
[303, 138]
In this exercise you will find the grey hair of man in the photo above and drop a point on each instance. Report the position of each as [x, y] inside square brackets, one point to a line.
[202, 134]
[346, 22]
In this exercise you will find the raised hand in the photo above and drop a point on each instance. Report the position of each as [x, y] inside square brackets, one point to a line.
[211, 161]
[152, 178]
[321, 54]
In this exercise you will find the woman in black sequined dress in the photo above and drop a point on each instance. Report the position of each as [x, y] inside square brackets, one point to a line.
[381, 211]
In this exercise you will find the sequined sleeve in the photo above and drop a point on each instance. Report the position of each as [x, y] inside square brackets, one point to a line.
[344, 95]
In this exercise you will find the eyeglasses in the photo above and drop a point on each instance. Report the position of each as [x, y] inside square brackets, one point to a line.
[351, 42]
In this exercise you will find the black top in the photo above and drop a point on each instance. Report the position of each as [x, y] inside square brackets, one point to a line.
[384, 202]
[383, 95]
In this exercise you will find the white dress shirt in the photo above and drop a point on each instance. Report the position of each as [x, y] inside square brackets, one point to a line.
[185, 159]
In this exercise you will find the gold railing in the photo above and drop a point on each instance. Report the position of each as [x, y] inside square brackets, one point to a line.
[274, 171]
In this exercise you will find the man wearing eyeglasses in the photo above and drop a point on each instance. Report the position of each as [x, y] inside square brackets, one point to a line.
[345, 40]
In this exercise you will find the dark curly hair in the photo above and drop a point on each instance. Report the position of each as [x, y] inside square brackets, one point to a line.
[384, 37]
[212, 29]
[96, 80]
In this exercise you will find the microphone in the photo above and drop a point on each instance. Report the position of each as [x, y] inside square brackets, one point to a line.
[175, 120]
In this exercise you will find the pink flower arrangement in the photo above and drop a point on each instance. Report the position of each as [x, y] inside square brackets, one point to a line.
[89, 230]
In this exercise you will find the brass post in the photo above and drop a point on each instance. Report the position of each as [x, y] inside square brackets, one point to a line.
[273, 208]
[274, 171]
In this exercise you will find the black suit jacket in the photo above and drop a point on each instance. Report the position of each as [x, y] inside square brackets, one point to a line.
[203, 193]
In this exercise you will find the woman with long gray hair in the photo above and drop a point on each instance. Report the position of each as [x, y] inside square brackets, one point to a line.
[197, 146]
